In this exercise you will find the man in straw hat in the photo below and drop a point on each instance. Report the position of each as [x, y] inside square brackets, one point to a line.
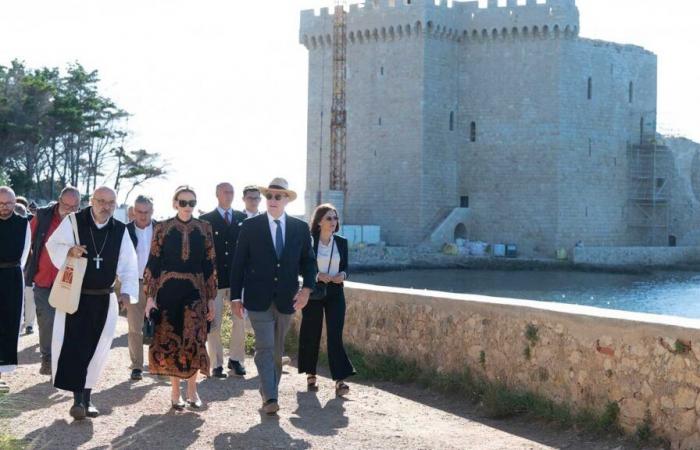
[273, 249]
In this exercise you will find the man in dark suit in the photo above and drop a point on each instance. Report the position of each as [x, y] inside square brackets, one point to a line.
[273, 250]
[225, 224]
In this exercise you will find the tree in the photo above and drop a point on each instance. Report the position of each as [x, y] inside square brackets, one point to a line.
[136, 168]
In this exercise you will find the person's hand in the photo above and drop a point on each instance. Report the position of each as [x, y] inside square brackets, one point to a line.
[77, 251]
[237, 309]
[150, 304]
[302, 298]
[211, 311]
[323, 277]
[338, 278]
[123, 301]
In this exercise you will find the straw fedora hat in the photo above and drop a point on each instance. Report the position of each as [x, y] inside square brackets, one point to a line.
[279, 185]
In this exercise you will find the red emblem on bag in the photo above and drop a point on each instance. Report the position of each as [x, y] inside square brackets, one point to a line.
[67, 275]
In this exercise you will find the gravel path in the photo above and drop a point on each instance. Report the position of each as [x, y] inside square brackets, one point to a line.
[136, 415]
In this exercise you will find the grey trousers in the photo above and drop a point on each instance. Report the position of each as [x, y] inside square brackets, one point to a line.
[135, 316]
[29, 308]
[44, 318]
[270, 328]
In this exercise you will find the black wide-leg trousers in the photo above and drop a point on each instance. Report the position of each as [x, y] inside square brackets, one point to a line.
[333, 305]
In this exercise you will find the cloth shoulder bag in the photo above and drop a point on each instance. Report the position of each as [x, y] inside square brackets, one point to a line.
[319, 291]
[65, 292]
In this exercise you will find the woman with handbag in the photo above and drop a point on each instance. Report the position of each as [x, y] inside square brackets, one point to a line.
[180, 285]
[329, 298]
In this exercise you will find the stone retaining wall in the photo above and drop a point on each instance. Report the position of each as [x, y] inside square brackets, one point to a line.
[636, 256]
[580, 355]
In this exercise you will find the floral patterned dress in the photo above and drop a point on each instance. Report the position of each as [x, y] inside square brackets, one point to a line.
[181, 277]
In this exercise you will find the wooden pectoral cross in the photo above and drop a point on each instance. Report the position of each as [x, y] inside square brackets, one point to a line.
[97, 260]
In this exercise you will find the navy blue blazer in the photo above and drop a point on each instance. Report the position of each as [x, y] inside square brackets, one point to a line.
[266, 279]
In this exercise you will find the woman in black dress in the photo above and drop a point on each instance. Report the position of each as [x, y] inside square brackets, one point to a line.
[332, 259]
[180, 284]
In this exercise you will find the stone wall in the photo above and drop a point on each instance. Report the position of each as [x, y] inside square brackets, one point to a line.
[580, 355]
[636, 256]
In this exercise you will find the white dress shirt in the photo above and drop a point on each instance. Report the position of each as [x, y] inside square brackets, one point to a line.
[251, 214]
[62, 240]
[323, 256]
[222, 211]
[273, 228]
[143, 246]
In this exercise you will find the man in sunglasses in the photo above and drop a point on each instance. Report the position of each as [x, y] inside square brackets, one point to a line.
[273, 249]
[41, 273]
[225, 224]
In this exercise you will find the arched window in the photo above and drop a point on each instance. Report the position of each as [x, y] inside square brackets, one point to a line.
[452, 120]
[472, 132]
[590, 88]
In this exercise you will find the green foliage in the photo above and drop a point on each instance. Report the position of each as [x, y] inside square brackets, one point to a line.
[531, 333]
[56, 128]
[644, 433]
[7, 409]
[681, 347]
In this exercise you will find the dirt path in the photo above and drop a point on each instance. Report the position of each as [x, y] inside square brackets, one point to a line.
[136, 415]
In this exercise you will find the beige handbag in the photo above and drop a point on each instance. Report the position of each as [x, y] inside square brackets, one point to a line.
[65, 293]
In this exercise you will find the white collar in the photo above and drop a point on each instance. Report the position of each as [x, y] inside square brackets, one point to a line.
[98, 225]
[251, 213]
[223, 211]
[282, 219]
[149, 226]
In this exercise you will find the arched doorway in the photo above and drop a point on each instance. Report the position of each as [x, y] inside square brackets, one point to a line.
[460, 232]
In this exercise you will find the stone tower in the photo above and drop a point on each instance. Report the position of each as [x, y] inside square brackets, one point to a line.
[504, 110]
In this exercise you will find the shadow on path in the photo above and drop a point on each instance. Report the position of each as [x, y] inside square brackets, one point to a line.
[267, 434]
[163, 431]
[316, 419]
[29, 355]
[38, 396]
[122, 394]
[61, 434]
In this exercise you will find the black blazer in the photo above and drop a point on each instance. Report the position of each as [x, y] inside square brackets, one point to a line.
[342, 245]
[265, 278]
[225, 237]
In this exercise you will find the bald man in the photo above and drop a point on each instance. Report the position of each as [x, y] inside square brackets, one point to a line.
[81, 341]
[15, 242]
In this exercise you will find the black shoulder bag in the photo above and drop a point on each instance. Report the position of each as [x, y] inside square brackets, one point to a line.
[319, 291]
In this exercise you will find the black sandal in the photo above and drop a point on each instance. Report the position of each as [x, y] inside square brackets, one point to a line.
[341, 388]
[311, 381]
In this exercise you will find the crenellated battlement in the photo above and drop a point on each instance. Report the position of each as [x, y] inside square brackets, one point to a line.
[389, 20]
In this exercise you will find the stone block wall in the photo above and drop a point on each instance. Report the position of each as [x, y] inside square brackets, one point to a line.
[583, 356]
[636, 256]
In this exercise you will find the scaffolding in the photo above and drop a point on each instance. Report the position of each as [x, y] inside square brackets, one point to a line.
[338, 180]
[650, 172]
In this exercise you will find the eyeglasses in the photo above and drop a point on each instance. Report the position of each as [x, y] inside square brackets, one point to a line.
[255, 199]
[109, 203]
[277, 197]
[331, 218]
[186, 203]
[7, 204]
[68, 206]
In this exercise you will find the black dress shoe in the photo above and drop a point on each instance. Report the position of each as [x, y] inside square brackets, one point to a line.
[136, 375]
[91, 411]
[45, 368]
[218, 373]
[271, 407]
[179, 405]
[77, 412]
[237, 367]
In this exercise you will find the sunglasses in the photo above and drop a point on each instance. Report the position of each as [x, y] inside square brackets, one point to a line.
[277, 197]
[186, 203]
